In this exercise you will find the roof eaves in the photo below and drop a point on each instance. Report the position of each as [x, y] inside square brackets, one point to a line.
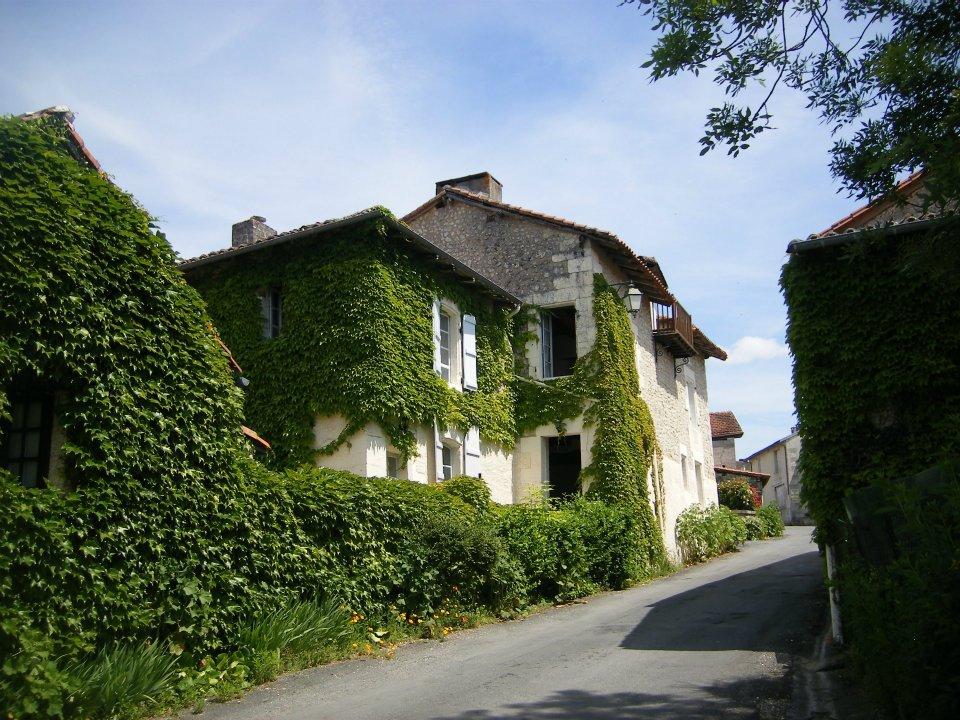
[874, 207]
[907, 225]
[440, 256]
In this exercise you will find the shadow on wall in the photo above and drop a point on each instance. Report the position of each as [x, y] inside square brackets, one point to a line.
[736, 699]
[746, 611]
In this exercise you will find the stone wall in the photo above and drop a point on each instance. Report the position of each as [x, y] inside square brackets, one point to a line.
[725, 452]
[550, 266]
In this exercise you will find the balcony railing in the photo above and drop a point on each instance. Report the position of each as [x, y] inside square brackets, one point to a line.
[673, 327]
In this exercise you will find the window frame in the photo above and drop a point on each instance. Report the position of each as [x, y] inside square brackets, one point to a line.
[446, 453]
[271, 312]
[44, 443]
[448, 367]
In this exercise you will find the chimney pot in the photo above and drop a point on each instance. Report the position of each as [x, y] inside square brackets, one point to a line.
[250, 231]
[482, 183]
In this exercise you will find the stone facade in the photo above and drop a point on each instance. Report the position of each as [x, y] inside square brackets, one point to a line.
[779, 460]
[725, 452]
[552, 266]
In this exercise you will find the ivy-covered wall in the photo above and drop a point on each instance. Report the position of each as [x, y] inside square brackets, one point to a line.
[356, 341]
[93, 309]
[872, 328]
[605, 388]
[873, 331]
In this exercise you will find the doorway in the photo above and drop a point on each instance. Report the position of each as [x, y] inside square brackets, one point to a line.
[563, 466]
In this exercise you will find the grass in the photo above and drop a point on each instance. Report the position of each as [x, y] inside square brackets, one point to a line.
[118, 679]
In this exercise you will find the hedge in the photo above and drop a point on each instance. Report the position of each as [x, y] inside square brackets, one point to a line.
[878, 399]
[703, 533]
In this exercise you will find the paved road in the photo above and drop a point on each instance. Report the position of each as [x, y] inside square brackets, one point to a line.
[713, 641]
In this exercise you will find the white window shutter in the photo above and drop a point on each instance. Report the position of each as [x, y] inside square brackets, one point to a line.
[471, 453]
[437, 453]
[436, 336]
[469, 352]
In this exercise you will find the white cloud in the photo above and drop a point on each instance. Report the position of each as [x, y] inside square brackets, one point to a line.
[750, 349]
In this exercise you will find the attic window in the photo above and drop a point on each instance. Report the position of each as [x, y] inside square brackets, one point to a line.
[271, 311]
[25, 443]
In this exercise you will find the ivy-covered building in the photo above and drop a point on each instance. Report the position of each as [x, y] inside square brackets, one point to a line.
[554, 265]
[371, 349]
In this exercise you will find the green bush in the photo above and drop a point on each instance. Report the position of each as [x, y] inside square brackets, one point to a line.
[473, 491]
[755, 528]
[735, 494]
[771, 521]
[703, 533]
[549, 548]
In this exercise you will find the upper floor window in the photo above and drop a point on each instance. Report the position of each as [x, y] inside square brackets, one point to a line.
[25, 444]
[558, 341]
[271, 311]
[445, 346]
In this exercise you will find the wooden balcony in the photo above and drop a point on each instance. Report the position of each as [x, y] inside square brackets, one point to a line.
[673, 328]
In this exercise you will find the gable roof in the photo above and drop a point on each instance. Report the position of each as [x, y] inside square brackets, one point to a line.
[66, 116]
[724, 424]
[772, 445]
[645, 272]
[440, 258]
[862, 216]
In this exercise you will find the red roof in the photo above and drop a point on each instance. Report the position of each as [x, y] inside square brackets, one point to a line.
[723, 424]
[66, 116]
[864, 215]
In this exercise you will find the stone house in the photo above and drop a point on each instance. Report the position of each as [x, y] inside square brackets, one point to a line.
[274, 271]
[779, 461]
[724, 431]
[550, 263]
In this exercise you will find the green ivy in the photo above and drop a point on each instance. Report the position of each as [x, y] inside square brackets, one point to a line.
[356, 341]
[877, 381]
[605, 387]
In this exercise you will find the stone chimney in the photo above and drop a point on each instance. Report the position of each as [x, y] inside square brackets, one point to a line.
[250, 231]
[483, 183]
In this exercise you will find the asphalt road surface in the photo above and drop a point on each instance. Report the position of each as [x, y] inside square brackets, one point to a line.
[714, 641]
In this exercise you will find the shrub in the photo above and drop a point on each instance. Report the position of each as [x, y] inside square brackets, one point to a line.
[705, 532]
[735, 494]
[121, 678]
[769, 517]
[548, 545]
[473, 491]
[612, 537]
[755, 528]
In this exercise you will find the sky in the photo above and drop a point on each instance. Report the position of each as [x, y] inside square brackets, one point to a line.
[211, 112]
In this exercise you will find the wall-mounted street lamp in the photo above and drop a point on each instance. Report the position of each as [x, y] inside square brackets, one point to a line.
[633, 300]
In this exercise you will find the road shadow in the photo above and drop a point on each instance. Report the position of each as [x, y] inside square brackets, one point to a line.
[768, 608]
[743, 700]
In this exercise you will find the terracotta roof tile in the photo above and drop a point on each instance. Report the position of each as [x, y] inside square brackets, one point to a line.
[724, 424]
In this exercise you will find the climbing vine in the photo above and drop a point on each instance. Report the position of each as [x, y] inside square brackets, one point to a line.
[356, 341]
[605, 387]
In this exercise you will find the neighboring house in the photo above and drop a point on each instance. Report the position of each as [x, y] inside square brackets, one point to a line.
[550, 263]
[62, 347]
[383, 287]
[865, 297]
[724, 431]
[779, 461]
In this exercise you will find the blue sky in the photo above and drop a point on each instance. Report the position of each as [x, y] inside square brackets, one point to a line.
[298, 111]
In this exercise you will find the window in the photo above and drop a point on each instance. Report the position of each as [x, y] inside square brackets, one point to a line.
[698, 473]
[563, 466]
[558, 341]
[271, 310]
[393, 466]
[686, 473]
[25, 447]
[447, 462]
[776, 462]
[445, 346]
